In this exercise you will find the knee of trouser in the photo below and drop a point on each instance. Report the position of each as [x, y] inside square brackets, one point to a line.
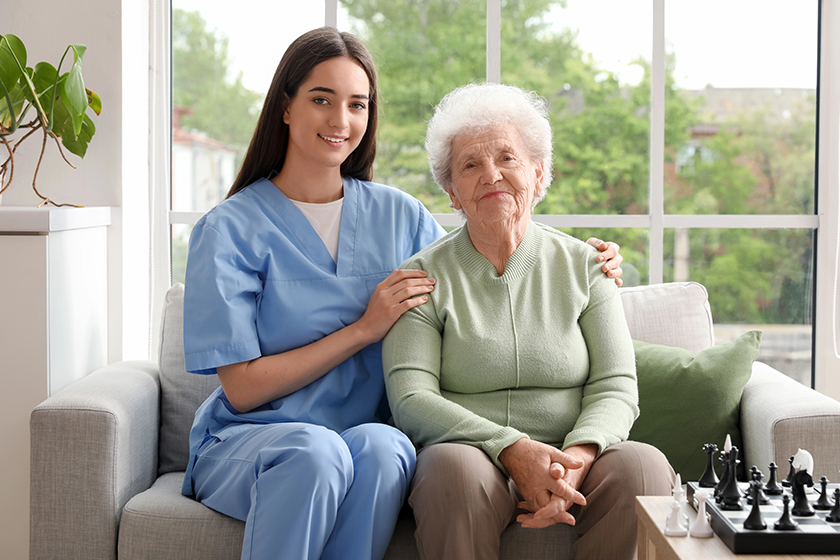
[445, 475]
[382, 448]
[637, 469]
[312, 453]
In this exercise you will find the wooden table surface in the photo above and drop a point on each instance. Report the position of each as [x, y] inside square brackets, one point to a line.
[652, 512]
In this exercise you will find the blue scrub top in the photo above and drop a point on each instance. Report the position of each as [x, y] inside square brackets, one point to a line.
[260, 282]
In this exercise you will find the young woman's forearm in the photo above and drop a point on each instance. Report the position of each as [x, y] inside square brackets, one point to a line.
[248, 385]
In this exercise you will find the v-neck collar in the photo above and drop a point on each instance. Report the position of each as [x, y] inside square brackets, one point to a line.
[308, 240]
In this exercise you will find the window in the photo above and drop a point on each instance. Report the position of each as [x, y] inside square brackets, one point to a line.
[686, 133]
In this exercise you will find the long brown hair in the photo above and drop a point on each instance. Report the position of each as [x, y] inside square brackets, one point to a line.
[267, 150]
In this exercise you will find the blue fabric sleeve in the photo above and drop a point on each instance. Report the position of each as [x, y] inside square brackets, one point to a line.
[220, 304]
[428, 230]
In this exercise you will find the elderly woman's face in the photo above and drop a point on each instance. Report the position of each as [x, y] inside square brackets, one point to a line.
[493, 178]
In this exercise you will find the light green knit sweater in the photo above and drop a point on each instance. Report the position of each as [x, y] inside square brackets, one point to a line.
[542, 351]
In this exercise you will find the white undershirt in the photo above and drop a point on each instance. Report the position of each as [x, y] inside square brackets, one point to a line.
[326, 220]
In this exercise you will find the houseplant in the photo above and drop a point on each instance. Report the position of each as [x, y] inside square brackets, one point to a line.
[40, 99]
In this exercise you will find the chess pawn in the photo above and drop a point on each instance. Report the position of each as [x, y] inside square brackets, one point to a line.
[788, 480]
[701, 528]
[762, 498]
[772, 488]
[755, 522]
[709, 478]
[673, 524]
[834, 515]
[823, 502]
[785, 522]
[678, 493]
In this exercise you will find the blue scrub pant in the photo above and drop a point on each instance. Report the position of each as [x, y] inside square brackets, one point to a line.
[306, 492]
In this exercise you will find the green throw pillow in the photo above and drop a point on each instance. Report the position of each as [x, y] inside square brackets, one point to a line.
[686, 401]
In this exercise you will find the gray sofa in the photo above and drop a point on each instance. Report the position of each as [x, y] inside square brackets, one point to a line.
[108, 452]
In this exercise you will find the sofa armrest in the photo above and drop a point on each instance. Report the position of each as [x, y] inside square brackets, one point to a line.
[779, 416]
[94, 445]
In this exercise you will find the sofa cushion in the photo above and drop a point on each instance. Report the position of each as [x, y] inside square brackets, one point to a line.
[162, 523]
[181, 392]
[687, 400]
[672, 314]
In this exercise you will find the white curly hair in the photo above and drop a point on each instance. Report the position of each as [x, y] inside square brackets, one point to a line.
[475, 108]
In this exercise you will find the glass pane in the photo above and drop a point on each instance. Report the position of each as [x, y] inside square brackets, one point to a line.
[180, 235]
[223, 60]
[741, 107]
[422, 50]
[757, 279]
[595, 73]
[635, 250]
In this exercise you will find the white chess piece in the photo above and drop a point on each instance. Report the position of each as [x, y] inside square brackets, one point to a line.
[701, 528]
[678, 493]
[803, 459]
[673, 525]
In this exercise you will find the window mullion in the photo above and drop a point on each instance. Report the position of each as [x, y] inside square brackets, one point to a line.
[657, 144]
[494, 41]
[331, 13]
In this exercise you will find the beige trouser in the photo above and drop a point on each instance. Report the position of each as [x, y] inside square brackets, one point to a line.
[462, 502]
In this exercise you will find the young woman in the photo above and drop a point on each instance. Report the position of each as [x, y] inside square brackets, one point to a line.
[290, 287]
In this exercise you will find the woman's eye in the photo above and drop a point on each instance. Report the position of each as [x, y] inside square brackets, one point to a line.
[320, 101]
[359, 106]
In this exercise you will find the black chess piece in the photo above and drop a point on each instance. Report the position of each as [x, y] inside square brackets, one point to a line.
[757, 475]
[772, 487]
[731, 494]
[747, 492]
[709, 478]
[823, 502]
[788, 480]
[724, 479]
[755, 522]
[785, 522]
[801, 504]
[834, 515]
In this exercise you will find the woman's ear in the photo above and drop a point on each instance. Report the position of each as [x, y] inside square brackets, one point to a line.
[286, 103]
[455, 202]
[539, 172]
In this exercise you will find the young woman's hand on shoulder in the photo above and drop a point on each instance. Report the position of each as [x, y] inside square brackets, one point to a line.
[393, 297]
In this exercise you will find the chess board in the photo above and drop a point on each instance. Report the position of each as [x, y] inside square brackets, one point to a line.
[814, 535]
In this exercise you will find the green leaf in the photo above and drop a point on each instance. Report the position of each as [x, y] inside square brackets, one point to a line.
[75, 116]
[74, 87]
[17, 99]
[94, 102]
[12, 60]
[80, 144]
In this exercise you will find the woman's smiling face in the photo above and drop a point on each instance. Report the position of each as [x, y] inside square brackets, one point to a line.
[493, 177]
[328, 116]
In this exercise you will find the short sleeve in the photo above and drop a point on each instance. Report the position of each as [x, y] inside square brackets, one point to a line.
[220, 303]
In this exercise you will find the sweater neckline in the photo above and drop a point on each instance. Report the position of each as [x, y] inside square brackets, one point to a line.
[518, 264]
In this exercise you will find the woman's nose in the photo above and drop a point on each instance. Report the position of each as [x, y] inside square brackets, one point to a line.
[340, 118]
[491, 174]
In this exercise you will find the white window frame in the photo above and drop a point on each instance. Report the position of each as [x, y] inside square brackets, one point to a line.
[824, 222]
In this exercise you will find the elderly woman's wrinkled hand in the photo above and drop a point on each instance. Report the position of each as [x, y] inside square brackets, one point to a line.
[555, 511]
[541, 472]
[611, 258]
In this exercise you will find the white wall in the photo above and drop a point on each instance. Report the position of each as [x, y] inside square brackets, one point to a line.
[115, 170]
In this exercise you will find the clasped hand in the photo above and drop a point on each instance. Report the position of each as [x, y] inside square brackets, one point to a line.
[548, 480]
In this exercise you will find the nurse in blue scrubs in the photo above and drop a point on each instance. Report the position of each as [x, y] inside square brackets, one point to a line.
[290, 287]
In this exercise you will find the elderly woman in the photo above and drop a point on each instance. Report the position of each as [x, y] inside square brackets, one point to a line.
[517, 377]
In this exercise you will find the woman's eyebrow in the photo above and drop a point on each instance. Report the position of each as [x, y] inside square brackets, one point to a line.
[332, 91]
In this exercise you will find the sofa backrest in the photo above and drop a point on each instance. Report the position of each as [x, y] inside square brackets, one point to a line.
[181, 393]
[674, 314]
